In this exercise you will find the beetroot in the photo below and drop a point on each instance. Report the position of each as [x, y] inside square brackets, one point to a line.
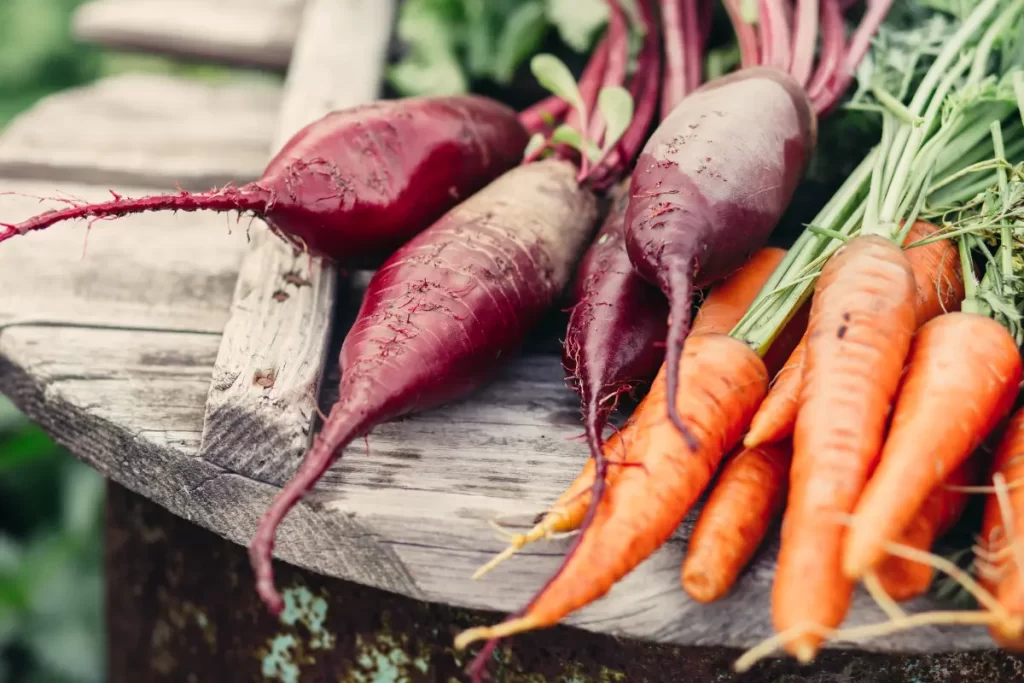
[440, 315]
[615, 339]
[358, 183]
[710, 186]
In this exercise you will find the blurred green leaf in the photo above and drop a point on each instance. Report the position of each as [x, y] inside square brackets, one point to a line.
[523, 34]
[554, 75]
[578, 21]
[616, 107]
[430, 29]
[536, 142]
[30, 443]
[83, 500]
[9, 416]
[567, 135]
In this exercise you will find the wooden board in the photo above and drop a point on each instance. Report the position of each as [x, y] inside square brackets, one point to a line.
[113, 354]
[263, 396]
[411, 515]
[257, 33]
[146, 130]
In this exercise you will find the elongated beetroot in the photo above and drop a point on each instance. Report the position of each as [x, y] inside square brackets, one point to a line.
[358, 183]
[711, 184]
[441, 314]
[615, 339]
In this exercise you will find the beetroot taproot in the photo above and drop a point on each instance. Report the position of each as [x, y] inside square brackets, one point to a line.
[442, 313]
[358, 183]
[615, 338]
[712, 183]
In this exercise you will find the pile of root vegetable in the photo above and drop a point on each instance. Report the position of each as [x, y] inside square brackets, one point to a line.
[861, 386]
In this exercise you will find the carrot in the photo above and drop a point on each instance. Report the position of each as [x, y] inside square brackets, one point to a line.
[724, 380]
[746, 498]
[904, 579]
[940, 288]
[965, 365]
[722, 309]
[1005, 578]
[861, 322]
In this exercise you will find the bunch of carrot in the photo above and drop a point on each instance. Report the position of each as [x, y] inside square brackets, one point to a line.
[811, 379]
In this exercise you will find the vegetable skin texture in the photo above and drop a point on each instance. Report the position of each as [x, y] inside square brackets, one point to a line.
[1006, 579]
[358, 183]
[940, 289]
[711, 184]
[724, 380]
[904, 579]
[745, 500]
[961, 364]
[615, 338]
[723, 307]
[862, 318]
[442, 312]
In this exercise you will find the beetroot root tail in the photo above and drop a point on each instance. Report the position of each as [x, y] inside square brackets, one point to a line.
[680, 316]
[244, 199]
[339, 430]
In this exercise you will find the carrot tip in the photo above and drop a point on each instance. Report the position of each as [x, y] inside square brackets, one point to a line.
[700, 586]
[503, 630]
[517, 543]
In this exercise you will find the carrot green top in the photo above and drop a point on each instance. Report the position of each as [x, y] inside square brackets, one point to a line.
[938, 83]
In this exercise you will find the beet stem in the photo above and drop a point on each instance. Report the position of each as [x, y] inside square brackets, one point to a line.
[693, 45]
[674, 85]
[833, 45]
[615, 69]
[804, 40]
[250, 198]
[858, 47]
[746, 36]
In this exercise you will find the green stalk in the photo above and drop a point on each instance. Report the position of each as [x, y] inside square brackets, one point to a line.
[1005, 233]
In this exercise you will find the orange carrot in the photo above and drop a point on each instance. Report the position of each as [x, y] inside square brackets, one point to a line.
[861, 322]
[940, 288]
[726, 303]
[723, 307]
[745, 500]
[963, 376]
[722, 381]
[904, 579]
[1005, 575]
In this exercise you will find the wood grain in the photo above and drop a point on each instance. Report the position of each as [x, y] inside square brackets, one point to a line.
[263, 395]
[146, 130]
[411, 515]
[257, 33]
[156, 270]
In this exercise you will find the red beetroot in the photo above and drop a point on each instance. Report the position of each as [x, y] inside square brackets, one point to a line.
[441, 311]
[615, 339]
[711, 184]
[358, 183]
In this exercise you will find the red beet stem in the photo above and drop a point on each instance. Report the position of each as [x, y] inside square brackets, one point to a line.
[533, 118]
[833, 45]
[858, 47]
[746, 36]
[247, 199]
[618, 56]
[775, 35]
[343, 425]
[674, 86]
[693, 46]
[804, 40]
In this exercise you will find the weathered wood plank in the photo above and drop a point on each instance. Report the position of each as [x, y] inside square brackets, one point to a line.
[158, 270]
[258, 33]
[144, 130]
[409, 517]
[263, 396]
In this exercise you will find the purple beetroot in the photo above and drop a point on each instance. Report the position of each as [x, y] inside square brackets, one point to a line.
[440, 315]
[358, 183]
